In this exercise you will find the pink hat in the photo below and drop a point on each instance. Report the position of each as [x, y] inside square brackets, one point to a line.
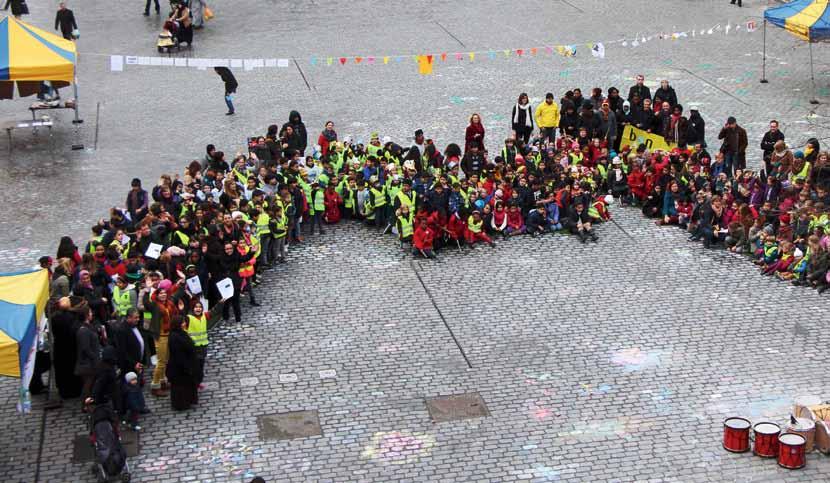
[165, 284]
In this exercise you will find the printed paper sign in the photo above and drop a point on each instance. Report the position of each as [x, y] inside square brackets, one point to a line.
[153, 251]
[194, 285]
[225, 287]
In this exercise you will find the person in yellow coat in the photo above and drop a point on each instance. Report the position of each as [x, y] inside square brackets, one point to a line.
[547, 118]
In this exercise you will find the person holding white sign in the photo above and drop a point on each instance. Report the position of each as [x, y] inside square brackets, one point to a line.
[226, 266]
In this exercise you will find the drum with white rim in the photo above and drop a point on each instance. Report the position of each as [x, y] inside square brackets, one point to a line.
[766, 439]
[791, 453]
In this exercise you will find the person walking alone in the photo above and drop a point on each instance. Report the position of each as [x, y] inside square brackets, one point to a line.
[230, 87]
[65, 22]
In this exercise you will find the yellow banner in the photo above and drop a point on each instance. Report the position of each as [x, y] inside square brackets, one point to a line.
[631, 136]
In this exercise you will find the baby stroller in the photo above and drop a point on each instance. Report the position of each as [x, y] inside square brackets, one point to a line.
[109, 454]
[167, 38]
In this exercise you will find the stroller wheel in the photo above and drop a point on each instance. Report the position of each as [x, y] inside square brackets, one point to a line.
[126, 477]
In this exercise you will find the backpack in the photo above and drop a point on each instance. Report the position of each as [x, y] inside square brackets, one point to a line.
[109, 451]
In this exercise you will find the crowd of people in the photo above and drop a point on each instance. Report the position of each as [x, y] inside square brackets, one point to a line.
[158, 273]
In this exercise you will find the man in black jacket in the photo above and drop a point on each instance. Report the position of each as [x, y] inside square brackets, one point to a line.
[65, 19]
[770, 138]
[640, 90]
[130, 342]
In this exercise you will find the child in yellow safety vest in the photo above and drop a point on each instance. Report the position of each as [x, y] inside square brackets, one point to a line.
[405, 223]
[199, 323]
[279, 230]
[475, 230]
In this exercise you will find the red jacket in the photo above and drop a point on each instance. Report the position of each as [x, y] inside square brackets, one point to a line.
[456, 227]
[515, 220]
[422, 238]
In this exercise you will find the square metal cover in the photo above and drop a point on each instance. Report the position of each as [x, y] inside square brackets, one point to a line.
[459, 406]
[291, 425]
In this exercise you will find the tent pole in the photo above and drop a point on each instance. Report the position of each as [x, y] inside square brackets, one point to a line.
[812, 74]
[764, 65]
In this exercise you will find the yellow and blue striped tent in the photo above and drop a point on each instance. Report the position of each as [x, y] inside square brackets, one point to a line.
[29, 55]
[806, 19]
[23, 297]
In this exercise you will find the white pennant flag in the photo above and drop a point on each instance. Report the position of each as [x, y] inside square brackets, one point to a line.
[598, 50]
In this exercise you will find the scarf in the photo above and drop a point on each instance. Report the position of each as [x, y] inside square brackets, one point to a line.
[528, 116]
[330, 135]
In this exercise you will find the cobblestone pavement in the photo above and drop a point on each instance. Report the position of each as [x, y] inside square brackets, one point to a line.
[615, 361]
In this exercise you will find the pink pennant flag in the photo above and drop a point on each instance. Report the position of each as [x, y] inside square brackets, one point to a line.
[549, 50]
[458, 56]
[370, 60]
[520, 52]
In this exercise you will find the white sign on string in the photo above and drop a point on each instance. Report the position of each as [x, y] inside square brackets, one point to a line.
[116, 63]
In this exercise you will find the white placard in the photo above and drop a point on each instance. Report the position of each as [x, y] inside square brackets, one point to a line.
[236, 62]
[270, 62]
[220, 63]
[282, 62]
[167, 61]
[155, 61]
[131, 60]
[225, 287]
[248, 64]
[154, 250]
[258, 62]
[181, 62]
[143, 61]
[116, 63]
[194, 285]
[193, 62]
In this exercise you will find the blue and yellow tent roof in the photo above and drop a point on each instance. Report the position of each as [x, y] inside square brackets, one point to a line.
[28, 53]
[806, 19]
[23, 297]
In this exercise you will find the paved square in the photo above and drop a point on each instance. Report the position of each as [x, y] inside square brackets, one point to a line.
[608, 362]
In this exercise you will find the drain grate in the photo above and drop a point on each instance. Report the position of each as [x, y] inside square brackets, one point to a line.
[291, 425]
[460, 406]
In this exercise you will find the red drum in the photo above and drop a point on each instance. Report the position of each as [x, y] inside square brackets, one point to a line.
[791, 454]
[766, 440]
[736, 435]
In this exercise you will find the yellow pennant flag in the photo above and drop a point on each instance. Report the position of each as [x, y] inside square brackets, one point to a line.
[472, 56]
[386, 60]
[330, 60]
[507, 53]
[425, 64]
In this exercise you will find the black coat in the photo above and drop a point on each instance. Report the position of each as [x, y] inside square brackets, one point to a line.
[296, 122]
[65, 19]
[768, 142]
[642, 91]
[697, 130]
[667, 95]
[89, 350]
[64, 325]
[129, 350]
[182, 362]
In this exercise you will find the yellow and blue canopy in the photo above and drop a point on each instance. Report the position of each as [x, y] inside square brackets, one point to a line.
[806, 19]
[23, 297]
[29, 55]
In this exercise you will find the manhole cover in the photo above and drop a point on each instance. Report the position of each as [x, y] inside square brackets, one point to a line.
[459, 406]
[82, 449]
[292, 425]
